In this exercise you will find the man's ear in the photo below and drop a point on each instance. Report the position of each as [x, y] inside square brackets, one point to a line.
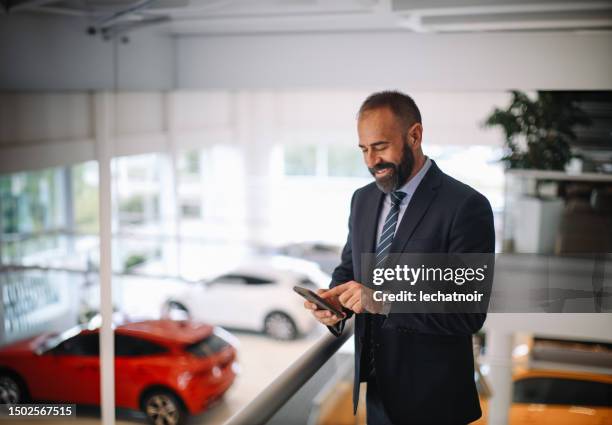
[415, 135]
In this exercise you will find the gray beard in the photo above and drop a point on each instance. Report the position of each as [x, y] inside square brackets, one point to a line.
[387, 184]
[400, 173]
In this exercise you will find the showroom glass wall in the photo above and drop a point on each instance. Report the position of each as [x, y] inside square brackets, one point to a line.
[206, 184]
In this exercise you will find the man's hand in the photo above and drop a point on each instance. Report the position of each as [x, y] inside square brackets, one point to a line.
[325, 316]
[355, 296]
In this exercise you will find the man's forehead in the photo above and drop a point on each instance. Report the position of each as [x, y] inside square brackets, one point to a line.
[381, 119]
[382, 113]
[374, 128]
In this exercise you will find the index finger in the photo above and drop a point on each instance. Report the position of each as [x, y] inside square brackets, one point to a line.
[336, 290]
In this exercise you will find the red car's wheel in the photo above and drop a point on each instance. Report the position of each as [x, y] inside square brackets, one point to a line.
[11, 390]
[163, 408]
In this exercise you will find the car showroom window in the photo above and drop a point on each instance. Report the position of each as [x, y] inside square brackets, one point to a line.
[345, 161]
[300, 160]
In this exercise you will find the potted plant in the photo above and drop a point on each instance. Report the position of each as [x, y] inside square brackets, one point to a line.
[538, 134]
[545, 125]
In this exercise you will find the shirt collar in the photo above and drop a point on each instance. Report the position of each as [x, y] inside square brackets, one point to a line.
[411, 185]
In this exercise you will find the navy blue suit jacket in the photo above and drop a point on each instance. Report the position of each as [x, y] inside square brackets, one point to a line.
[424, 362]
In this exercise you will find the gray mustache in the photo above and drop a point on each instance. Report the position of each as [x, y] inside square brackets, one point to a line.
[381, 166]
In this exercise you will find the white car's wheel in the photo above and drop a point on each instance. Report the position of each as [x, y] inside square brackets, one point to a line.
[280, 326]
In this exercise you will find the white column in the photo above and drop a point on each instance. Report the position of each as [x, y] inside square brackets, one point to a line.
[67, 209]
[104, 130]
[205, 181]
[499, 358]
[255, 119]
[170, 210]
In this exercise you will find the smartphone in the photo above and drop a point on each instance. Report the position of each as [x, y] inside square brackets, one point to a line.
[320, 302]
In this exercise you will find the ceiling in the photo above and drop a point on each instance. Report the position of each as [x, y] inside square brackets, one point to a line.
[226, 17]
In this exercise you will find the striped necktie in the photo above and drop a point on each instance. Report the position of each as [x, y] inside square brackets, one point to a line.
[388, 230]
[382, 252]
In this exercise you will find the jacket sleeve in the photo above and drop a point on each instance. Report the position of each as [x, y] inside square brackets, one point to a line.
[472, 231]
[344, 271]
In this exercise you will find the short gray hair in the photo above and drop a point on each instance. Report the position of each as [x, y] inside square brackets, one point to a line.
[403, 106]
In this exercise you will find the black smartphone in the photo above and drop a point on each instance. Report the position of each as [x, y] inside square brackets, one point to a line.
[320, 302]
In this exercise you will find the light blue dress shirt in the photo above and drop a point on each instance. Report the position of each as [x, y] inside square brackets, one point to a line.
[409, 188]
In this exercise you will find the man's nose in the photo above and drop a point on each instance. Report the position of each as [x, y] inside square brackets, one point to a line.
[372, 159]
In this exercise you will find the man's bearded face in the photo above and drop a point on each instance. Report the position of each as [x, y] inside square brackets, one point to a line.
[390, 176]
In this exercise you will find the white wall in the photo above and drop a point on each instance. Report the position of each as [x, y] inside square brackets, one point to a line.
[436, 62]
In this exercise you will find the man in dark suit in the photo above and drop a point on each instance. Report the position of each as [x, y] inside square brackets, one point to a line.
[419, 368]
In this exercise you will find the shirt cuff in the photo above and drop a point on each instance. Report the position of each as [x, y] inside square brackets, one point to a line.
[337, 328]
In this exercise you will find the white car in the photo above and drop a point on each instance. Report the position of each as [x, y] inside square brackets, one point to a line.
[256, 296]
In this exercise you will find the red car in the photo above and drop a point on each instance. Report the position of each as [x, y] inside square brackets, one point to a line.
[166, 368]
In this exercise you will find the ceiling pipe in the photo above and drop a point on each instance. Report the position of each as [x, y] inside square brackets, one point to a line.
[19, 5]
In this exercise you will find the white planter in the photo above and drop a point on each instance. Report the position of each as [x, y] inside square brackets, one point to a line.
[536, 223]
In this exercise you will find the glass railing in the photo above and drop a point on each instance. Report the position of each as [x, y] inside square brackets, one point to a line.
[307, 379]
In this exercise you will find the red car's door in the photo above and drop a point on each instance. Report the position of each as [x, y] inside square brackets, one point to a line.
[79, 377]
[70, 372]
[138, 364]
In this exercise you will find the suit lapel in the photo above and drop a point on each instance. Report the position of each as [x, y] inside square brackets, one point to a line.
[422, 198]
[367, 226]
[367, 230]
[369, 221]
